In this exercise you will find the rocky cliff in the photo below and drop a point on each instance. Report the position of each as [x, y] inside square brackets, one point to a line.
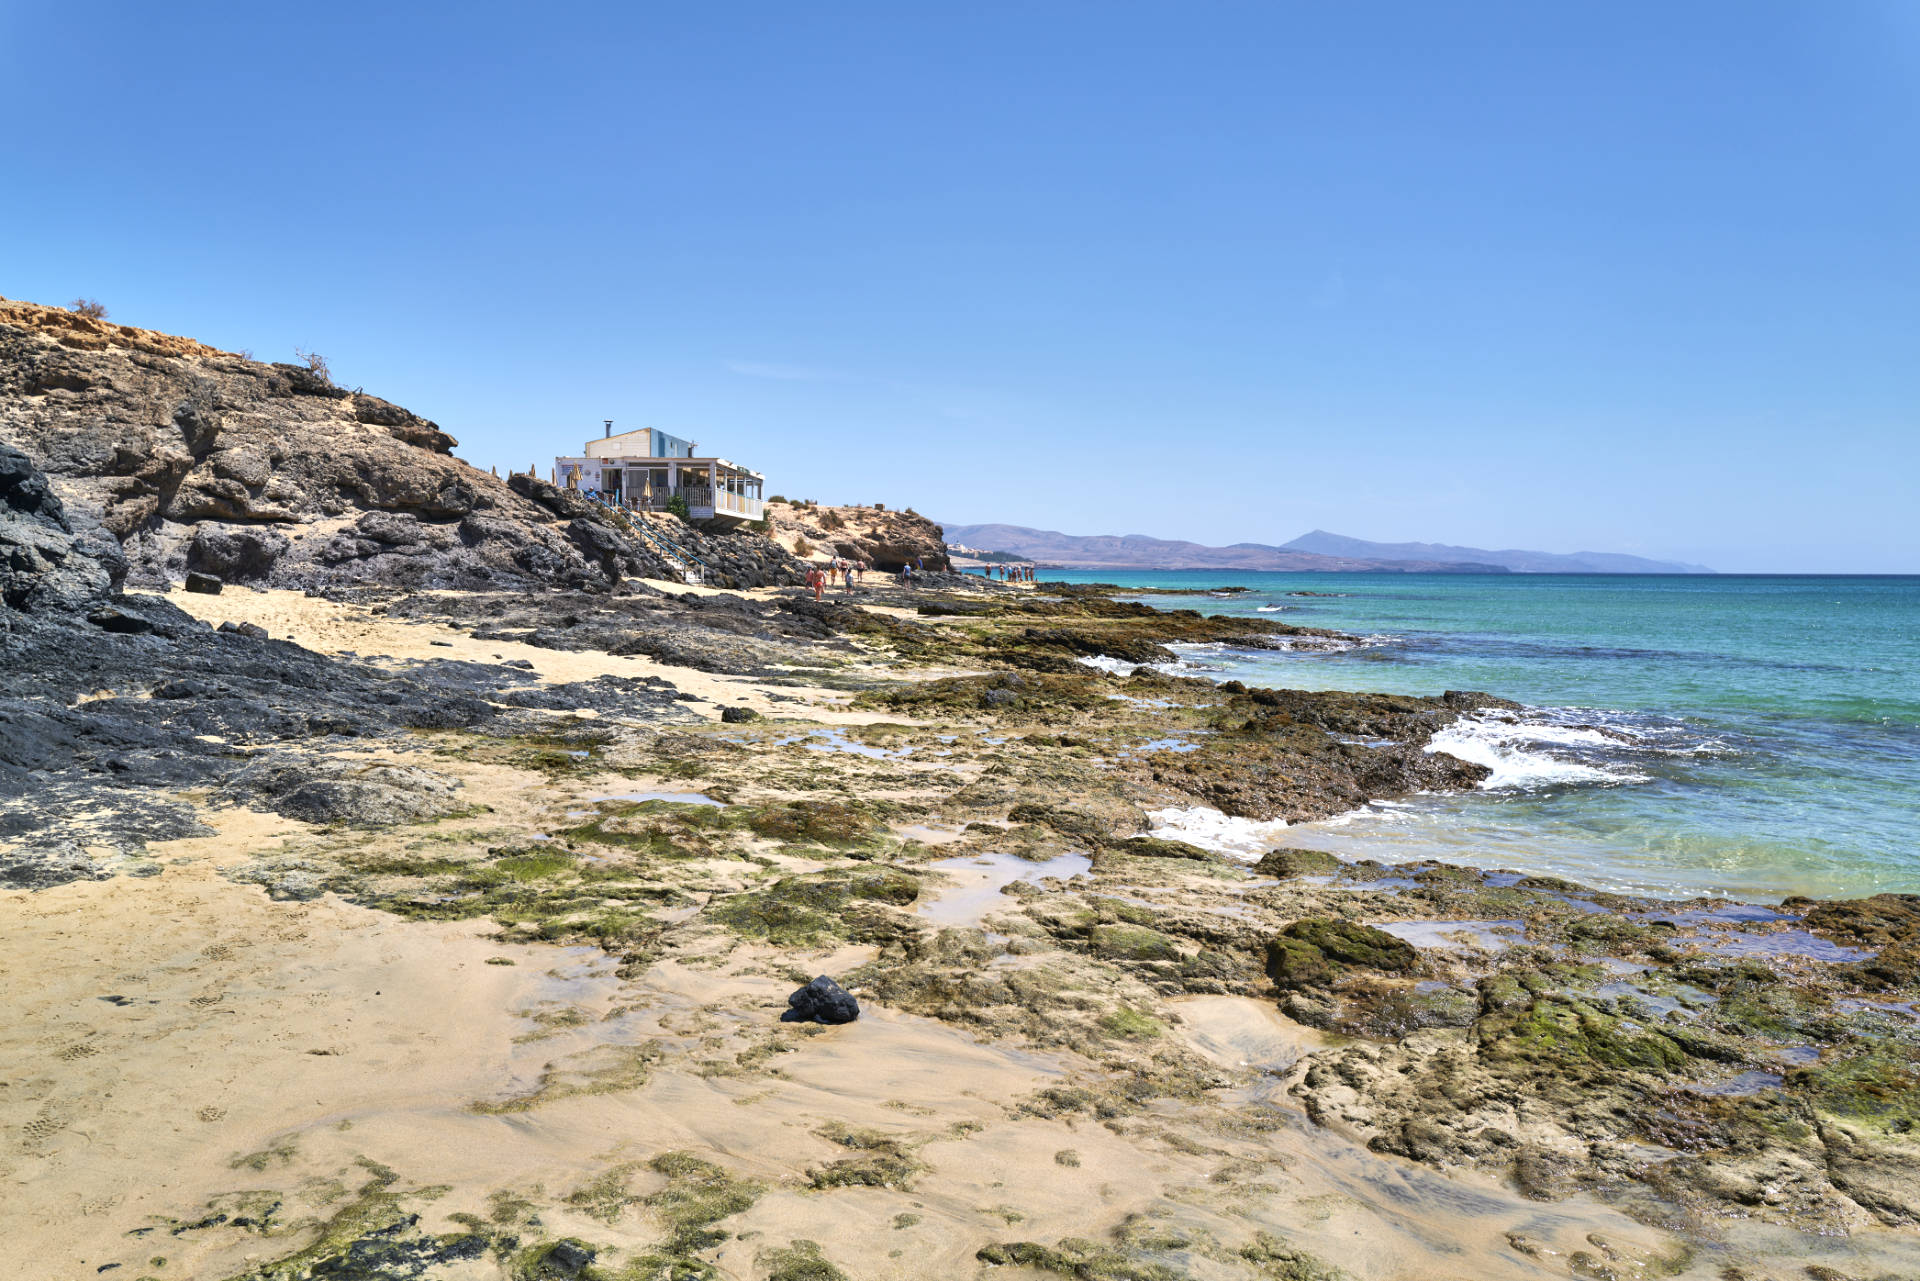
[883, 539]
[200, 459]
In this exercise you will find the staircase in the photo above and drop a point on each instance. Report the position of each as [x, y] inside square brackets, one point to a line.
[691, 569]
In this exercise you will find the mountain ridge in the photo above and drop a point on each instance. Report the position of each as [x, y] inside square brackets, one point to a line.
[1317, 552]
[1140, 551]
[1519, 560]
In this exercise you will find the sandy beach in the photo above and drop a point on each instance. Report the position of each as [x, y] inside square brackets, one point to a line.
[287, 1042]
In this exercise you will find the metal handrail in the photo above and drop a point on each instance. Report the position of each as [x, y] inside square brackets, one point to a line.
[635, 523]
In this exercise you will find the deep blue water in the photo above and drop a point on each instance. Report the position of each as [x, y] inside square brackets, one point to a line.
[1756, 736]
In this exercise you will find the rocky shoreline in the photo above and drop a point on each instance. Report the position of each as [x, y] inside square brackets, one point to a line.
[416, 922]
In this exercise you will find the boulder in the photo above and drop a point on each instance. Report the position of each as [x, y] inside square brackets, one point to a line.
[1317, 951]
[204, 584]
[236, 555]
[47, 564]
[821, 1001]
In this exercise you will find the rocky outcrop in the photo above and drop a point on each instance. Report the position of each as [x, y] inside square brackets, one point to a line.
[113, 704]
[199, 459]
[725, 558]
[47, 564]
[1298, 754]
[886, 540]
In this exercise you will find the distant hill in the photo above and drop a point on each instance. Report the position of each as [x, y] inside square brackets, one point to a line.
[1318, 551]
[1321, 543]
[1137, 551]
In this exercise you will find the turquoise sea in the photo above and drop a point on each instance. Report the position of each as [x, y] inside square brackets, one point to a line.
[1686, 735]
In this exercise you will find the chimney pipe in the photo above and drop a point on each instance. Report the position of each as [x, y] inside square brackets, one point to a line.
[609, 423]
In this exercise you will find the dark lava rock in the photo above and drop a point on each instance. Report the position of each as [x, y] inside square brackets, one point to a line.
[49, 562]
[821, 1001]
[737, 715]
[205, 584]
[86, 756]
[236, 554]
[565, 1258]
[38, 869]
[243, 629]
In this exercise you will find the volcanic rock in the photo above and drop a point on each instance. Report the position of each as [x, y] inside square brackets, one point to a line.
[201, 460]
[821, 1001]
[886, 540]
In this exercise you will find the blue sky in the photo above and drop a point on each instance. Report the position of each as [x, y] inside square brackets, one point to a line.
[1633, 277]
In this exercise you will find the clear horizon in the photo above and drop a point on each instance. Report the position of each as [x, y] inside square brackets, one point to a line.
[1634, 279]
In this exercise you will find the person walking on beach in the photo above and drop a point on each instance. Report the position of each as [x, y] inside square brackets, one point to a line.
[814, 580]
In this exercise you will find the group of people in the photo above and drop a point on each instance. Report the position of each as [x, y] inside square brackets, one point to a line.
[837, 573]
[1009, 573]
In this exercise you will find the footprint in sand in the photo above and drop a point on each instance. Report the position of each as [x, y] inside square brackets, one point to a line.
[79, 1050]
[211, 1113]
[204, 1002]
[43, 1127]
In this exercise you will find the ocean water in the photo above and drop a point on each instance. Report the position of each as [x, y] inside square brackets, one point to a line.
[1725, 735]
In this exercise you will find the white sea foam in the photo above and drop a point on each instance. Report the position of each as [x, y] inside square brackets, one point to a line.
[1107, 663]
[1270, 609]
[1241, 838]
[1535, 753]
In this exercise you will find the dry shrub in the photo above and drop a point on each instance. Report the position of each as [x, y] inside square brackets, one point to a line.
[315, 361]
[89, 308]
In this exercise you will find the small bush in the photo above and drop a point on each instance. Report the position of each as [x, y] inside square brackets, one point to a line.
[89, 308]
[315, 361]
[830, 519]
[677, 506]
[778, 498]
[801, 547]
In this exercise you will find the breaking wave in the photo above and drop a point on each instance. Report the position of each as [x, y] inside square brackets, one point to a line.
[1108, 663]
[1553, 747]
[1241, 838]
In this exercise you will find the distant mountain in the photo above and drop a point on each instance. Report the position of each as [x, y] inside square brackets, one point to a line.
[1137, 551]
[1321, 551]
[1321, 543]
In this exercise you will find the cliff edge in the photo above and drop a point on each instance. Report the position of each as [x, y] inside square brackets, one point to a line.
[204, 460]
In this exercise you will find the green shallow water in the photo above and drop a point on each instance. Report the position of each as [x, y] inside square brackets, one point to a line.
[1752, 736]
